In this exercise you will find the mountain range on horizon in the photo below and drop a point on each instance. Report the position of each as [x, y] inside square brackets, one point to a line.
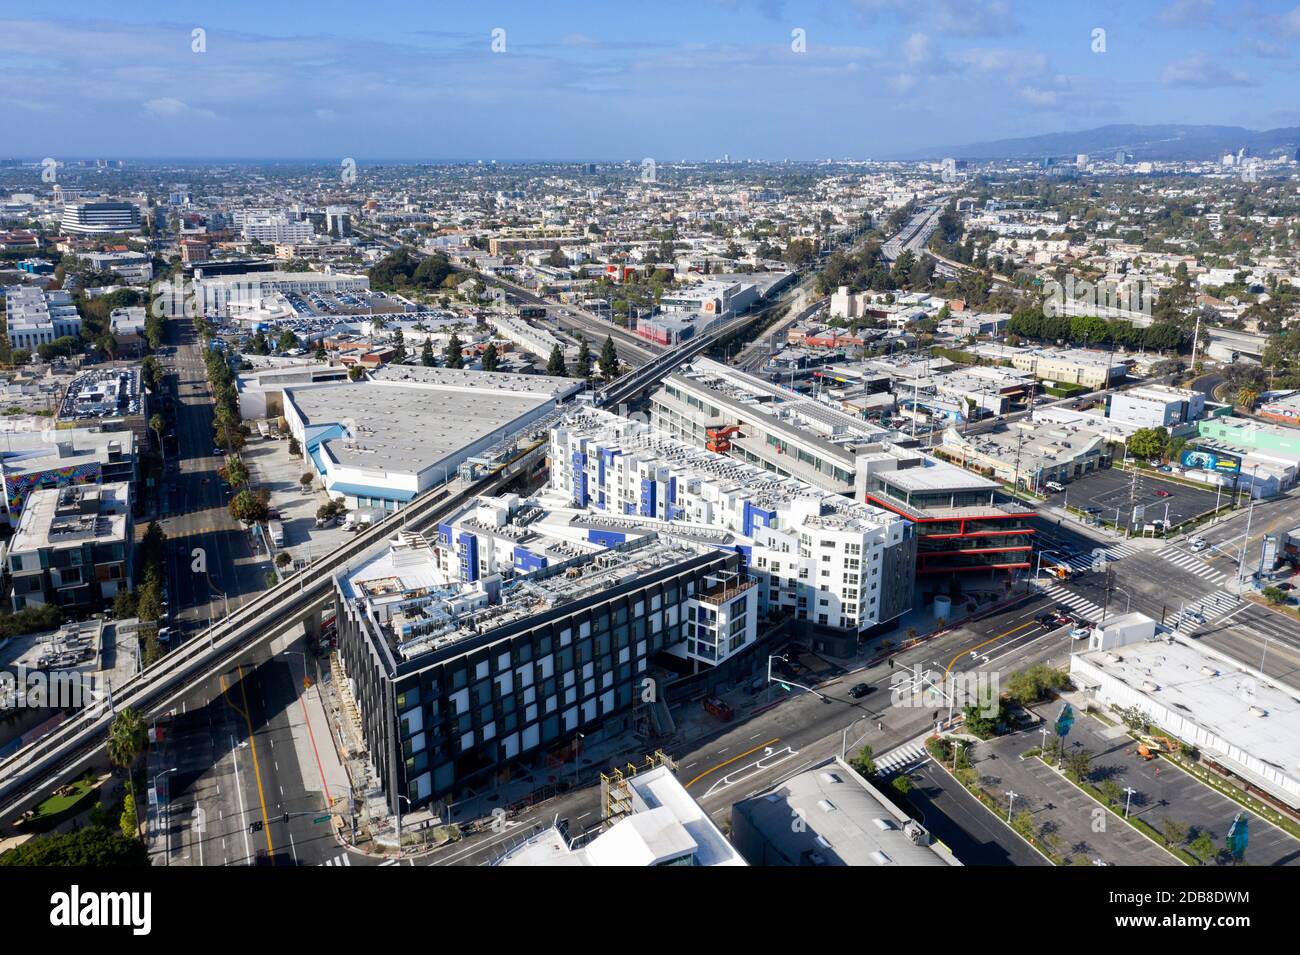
[1171, 142]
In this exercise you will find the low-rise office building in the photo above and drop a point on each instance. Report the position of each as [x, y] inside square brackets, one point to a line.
[72, 547]
[37, 458]
[1156, 406]
[725, 410]
[135, 267]
[1284, 409]
[1029, 454]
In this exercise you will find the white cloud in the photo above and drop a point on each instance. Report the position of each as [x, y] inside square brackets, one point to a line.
[168, 107]
[1199, 71]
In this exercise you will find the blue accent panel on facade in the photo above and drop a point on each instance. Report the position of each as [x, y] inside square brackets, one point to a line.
[606, 538]
[649, 494]
[629, 508]
[756, 517]
[468, 556]
[579, 464]
[746, 556]
[672, 490]
[528, 562]
[444, 533]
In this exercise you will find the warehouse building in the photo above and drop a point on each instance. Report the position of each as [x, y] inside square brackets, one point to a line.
[1244, 724]
[380, 442]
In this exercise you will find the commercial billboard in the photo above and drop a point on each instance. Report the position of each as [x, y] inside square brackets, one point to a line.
[1211, 461]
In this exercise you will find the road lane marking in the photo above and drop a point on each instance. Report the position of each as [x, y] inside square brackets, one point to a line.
[1023, 626]
[728, 762]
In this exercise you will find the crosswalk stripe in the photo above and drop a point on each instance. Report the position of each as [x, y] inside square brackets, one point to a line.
[901, 757]
[341, 859]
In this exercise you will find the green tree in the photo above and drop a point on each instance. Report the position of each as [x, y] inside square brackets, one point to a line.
[426, 354]
[157, 425]
[454, 356]
[1078, 763]
[283, 559]
[250, 506]
[91, 846]
[128, 820]
[583, 368]
[608, 358]
[321, 353]
[1149, 443]
[234, 472]
[864, 762]
[555, 363]
[490, 357]
[288, 340]
[1174, 831]
[1203, 847]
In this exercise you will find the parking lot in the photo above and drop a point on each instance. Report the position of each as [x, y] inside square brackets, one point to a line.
[271, 467]
[1109, 490]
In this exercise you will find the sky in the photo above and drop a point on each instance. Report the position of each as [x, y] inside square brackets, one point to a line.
[616, 80]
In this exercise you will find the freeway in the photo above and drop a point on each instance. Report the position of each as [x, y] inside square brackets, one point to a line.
[25, 775]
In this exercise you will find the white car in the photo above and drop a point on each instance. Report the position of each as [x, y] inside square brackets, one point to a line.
[1199, 544]
[1079, 633]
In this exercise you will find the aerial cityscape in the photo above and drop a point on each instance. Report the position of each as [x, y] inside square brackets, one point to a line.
[503, 437]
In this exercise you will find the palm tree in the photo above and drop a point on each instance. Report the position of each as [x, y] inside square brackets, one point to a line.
[126, 741]
[126, 738]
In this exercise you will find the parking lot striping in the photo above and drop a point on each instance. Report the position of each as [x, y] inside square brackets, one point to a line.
[728, 762]
[1032, 623]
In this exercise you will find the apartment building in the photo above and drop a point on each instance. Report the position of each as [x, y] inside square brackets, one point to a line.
[34, 317]
[276, 228]
[72, 546]
[456, 684]
[843, 568]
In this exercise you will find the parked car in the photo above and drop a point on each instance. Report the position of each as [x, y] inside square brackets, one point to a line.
[859, 690]
[1054, 487]
[1079, 633]
[1161, 492]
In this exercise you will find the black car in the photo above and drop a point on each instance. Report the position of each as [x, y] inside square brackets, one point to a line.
[1047, 619]
[859, 690]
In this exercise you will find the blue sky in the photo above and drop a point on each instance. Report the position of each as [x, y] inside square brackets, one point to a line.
[616, 80]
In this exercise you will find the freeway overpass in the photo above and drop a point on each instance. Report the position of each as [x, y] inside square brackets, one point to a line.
[28, 775]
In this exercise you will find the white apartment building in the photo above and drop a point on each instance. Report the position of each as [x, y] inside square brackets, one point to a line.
[1156, 406]
[35, 318]
[826, 560]
[276, 229]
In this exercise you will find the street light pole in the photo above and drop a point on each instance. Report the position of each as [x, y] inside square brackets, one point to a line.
[1012, 794]
[1129, 791]
[167, 826]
